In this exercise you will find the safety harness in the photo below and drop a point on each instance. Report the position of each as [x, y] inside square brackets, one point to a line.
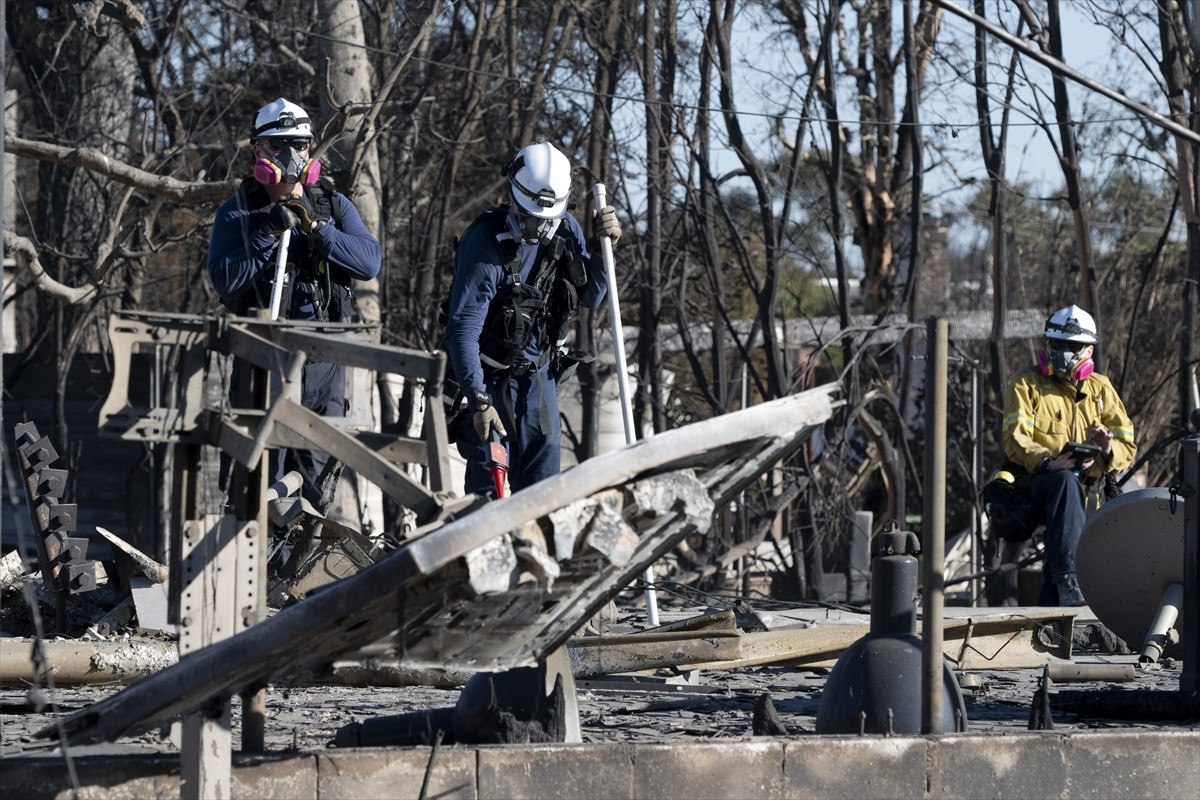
[330, 289]
[544, 308]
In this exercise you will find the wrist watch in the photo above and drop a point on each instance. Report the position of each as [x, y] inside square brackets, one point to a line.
[1045, 465]
[483, 401]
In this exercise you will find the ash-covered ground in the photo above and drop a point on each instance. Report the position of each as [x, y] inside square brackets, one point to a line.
[704, 705]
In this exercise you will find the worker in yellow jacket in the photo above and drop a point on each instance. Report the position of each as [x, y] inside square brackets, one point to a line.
[1050, 410]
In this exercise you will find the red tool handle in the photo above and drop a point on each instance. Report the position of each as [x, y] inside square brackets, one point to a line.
[498, 461]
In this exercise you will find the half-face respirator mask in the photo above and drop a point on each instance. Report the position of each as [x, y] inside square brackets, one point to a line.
[286, 161]
[1066, 360]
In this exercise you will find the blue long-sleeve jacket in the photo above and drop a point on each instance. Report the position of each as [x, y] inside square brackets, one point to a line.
[479, 273]
[241, 252]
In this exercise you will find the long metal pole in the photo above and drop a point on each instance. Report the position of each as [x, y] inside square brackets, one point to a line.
[975, 587]
[1189, 678]
[933, 525]
[618, 335]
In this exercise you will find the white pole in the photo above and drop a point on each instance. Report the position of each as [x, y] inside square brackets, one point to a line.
[280, 273]
[618, 336]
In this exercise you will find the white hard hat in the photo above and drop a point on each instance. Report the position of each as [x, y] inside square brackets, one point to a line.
[539, 180]
[281, 118]
[1071, 324]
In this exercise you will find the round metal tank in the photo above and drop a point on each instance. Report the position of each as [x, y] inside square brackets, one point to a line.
[1130, 551]
[880, 676]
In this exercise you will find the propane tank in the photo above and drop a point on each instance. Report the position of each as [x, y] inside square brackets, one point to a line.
[875, 687]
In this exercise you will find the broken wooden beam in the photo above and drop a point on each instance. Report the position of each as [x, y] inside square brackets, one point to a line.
[607, 655]
[152, 569]
[1003, 641]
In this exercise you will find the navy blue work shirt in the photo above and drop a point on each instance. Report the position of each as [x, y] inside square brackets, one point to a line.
[479, 273]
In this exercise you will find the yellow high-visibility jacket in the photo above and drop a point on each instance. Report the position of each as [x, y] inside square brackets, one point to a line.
[1042, 413]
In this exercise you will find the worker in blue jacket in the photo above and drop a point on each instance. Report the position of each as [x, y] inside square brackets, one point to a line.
[521, 272]
[329, 247]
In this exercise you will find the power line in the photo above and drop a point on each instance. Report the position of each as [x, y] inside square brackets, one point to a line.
[679, 106]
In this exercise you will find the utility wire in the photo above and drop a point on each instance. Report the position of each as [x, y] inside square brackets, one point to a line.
[679, 106]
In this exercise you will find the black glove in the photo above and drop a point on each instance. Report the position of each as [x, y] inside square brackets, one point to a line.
[304, 211]
[281, 218]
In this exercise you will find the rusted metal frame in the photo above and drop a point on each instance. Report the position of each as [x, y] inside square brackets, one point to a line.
[237, 429]
[341, 445]
[62, 558]
[390, 447]
[246, 497]
[186, 480]
[285, 365]
[186, 334]
[437, 440]
[207, 606]
[429, 368]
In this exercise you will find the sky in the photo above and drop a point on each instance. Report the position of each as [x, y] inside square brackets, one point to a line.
[1087, 48]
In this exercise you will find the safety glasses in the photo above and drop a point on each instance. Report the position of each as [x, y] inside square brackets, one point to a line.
[280, 146]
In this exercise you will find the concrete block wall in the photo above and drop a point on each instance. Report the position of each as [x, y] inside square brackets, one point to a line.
[1109, 765]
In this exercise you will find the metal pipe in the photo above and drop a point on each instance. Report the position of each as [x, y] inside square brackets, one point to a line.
[933, 524]
[1189, 677]
[618, 336]
[1156, 638]
[975, 587]
[1080, 673]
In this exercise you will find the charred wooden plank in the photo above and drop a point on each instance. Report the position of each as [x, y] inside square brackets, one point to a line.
[412, 589]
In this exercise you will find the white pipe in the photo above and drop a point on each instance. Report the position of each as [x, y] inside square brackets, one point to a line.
[618, 337]
[280, 273]
[1164, 620]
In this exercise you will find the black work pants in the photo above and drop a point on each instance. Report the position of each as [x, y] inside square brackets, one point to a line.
[1059, 496]
[528, 406]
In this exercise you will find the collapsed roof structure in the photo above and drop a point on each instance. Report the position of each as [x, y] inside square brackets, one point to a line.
[500, 587]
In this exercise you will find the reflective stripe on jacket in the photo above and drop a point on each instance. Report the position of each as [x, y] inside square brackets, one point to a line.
[1042, 414]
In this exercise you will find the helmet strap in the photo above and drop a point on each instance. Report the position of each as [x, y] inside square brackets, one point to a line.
[536, 229]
